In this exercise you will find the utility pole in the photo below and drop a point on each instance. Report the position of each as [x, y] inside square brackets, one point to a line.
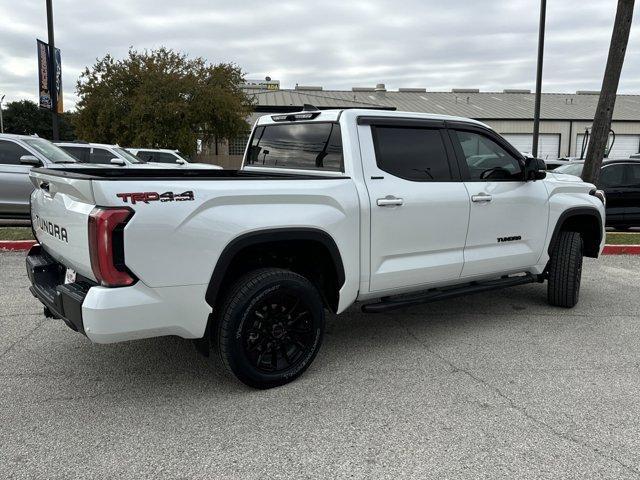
[53, 74]
[536, 113]
[606, 102]
[1, 120]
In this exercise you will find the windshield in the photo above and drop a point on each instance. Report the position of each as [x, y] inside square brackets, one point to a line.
[571, 169]
[182, 156]
[128, 156]
[52, 152]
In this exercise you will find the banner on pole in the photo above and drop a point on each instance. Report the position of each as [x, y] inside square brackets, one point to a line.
[44, 92]
[46, 83]
[58, 80]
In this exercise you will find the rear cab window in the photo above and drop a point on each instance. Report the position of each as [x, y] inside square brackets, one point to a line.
[300, 146]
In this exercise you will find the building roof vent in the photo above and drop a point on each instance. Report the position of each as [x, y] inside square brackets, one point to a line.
[380, 87]
[465, 90]
[308, 88]
[516, 90]
[413, 90]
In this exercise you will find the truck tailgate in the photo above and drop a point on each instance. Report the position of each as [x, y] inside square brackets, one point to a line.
[60, 209]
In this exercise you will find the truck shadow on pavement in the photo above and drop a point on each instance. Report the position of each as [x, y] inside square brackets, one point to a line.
[171, 366]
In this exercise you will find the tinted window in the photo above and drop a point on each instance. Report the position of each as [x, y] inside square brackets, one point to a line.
[487, 160]
[416, 154]
[145, 156]
[633, 175]
[611, 176]
[100, 155]
[11, 152]
[163, 157]
[79, 153]
[309, 146]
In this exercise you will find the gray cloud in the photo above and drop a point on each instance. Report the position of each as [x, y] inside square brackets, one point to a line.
[338, 44]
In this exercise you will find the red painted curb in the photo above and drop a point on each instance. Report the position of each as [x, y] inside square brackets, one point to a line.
[621, 250]
[16, 245]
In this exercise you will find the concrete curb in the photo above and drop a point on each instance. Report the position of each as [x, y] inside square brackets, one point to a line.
[20, 245]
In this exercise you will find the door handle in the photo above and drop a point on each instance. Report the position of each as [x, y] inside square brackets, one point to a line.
[389, 201]
[480, 198]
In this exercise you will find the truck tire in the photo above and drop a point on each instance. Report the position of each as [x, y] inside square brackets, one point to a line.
[270, 327]
[565, 270]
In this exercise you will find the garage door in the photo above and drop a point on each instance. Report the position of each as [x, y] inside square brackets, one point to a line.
[623, 147]
[548, 143]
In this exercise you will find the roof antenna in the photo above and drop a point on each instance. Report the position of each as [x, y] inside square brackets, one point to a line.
[310, 108]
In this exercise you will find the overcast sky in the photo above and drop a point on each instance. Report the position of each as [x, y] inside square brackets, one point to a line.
[486, 44]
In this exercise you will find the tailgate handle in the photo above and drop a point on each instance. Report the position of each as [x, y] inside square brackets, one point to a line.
[44, 186]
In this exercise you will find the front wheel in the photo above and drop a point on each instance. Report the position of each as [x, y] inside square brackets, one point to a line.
[270, 327]
[565, 270]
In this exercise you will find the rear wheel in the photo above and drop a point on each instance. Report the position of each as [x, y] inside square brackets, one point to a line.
[270, 327]
[565, 270]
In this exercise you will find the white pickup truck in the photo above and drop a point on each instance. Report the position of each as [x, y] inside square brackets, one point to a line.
[332, 207]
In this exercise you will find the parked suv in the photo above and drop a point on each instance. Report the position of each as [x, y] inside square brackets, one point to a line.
[620, 180]
[167, 156]
[99, 153]
[18, 154]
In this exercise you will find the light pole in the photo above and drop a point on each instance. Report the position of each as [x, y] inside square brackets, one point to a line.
[53, 73]
[1, 121]
[536, 113]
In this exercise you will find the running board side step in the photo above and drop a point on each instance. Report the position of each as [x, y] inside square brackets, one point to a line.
[399, 301]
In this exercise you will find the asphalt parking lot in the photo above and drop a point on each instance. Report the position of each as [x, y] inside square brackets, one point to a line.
[496, 385]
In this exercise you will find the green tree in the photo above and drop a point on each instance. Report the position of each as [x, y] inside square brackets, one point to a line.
[24, 117]
[162, 99]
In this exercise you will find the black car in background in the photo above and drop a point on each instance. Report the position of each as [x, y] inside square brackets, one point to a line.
[620, 180]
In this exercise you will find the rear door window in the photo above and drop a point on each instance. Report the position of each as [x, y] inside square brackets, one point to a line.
[305, 146]
[416, 154]
[10, 153]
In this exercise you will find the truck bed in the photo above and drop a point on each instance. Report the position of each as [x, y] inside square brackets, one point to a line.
[119, 173]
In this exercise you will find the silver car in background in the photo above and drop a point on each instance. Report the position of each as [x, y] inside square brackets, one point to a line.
[18, 154]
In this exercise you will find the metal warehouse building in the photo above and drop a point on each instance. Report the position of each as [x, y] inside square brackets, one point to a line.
[564, 117]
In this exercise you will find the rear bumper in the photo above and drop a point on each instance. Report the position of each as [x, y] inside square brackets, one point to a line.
[64, 301]
[108, 315]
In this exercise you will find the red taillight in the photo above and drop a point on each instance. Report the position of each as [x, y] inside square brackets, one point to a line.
[106, 246]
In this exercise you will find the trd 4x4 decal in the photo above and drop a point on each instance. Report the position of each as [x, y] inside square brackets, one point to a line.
[146, 197]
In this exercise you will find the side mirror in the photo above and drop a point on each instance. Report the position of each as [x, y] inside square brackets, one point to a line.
[117, 161]
[534, 169]
[181, 161]
[30, 160]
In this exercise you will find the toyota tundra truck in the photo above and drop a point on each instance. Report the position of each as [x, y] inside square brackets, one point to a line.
[387, 209]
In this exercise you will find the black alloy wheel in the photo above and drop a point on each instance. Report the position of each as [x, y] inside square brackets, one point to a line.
[270, 327]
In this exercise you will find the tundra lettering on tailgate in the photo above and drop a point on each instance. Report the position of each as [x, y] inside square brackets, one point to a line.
[52, 229]
[146, 197]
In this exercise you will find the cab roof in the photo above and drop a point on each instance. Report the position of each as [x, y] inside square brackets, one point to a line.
[335, 115]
